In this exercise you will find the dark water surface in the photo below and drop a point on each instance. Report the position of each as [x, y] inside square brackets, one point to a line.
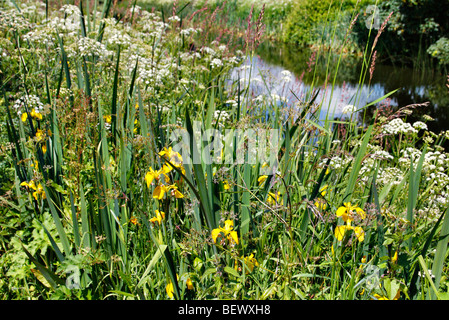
[413, 86]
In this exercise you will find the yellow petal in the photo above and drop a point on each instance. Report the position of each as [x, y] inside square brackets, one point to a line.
[234, 236]
[323, 190]
[262, 179]
[341, 212]
[321, 204]
[159, 192]
[215, 233]
[107, 118]
[169, 289]
[24, 184]
[360, 234]
[394, 259]
[189, 284]
[229, 224]
[154, 220]
[251, 262]
[340, 232]
[165, 169]
[164, 152]
[178, 194]
[24, 117]
[160, 214]
[149, 177]
[32, 185]
[36, 115]
[176, 159]
[360, 212]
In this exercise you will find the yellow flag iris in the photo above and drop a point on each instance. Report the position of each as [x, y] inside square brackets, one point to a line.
[160, 215]
[340, 232]
[227, 231]
[348, 212]
[38, 190]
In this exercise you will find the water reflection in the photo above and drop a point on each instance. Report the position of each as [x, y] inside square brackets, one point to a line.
[288, 74]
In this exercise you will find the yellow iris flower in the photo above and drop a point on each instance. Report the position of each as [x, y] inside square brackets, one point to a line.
[341, 230]
[272, 198]
[38, 190]
[227, 231]
[175, 192]
[160, 215]
[189, 284]
[150, 176]
[35, 115]
[262, 179]
[321, 204]
[250, 262]
[323, 190]
[174, 157]
[159, 192]
[169, 288]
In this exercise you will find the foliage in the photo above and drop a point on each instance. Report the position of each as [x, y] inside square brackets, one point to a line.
[321, 22]
[105, 204]
[413, 27]
[440, 50]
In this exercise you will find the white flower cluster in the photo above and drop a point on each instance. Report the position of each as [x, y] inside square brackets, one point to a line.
[174, 19]
[348, 109]
[69, 24]
[277, 98]
[336, 162]
[224, 115]
[381, 154]
[13, 20]
[152, 26]
[231, 102]
[408, 155]
[209, 51]
[435, 160]
[41, 36]
[117, 37]
[419, 125]
[88, 47]
[389, 175]
[135, 9]
[369, 162]
[70, 10]
[150, 73]
[31, 101]
[286, 76]
[216, 63]
[188, 31]
[397, 126]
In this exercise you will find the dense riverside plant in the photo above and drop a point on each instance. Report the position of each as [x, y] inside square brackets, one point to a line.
[140, 170]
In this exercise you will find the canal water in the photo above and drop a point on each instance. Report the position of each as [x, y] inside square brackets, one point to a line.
[290, 74]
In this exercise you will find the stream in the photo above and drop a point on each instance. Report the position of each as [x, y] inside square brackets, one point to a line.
[288, 73]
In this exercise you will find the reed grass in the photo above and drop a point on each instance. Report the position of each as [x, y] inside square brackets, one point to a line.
[87, 216]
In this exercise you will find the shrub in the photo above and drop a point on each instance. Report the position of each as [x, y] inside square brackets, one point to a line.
[440, 50]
